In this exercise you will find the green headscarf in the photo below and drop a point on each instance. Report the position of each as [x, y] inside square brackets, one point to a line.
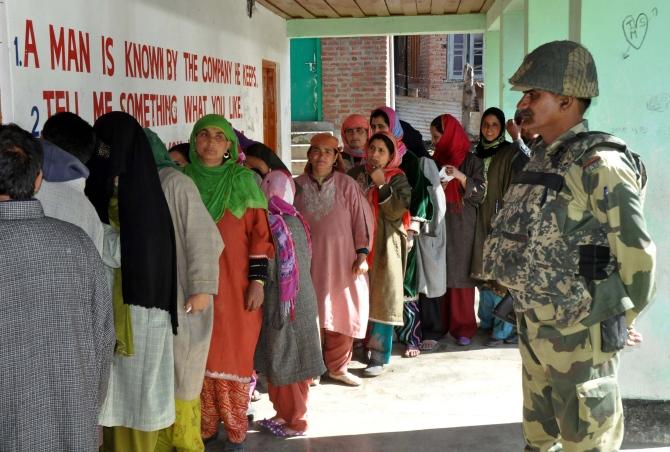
[158, 148]
[229, 186]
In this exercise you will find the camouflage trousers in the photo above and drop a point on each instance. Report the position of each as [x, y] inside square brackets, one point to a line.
[571, 399]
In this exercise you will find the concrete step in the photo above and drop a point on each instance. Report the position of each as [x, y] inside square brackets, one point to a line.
[298, 166]
[311, 126]
[299, 151]
[304, 136]
[301, 134]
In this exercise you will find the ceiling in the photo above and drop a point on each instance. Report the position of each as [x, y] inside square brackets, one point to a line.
[334, 9]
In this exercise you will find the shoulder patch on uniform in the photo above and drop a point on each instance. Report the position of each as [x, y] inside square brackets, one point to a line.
[592, 164]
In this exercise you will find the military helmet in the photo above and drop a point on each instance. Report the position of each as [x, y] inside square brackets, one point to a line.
[560, 67]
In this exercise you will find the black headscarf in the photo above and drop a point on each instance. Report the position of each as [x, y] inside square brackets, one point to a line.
[413, 140]
[261, 151]
[487, 148]
[148, 257]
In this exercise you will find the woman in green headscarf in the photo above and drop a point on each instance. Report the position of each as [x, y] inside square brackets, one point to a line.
[239, 210]
[198, 245]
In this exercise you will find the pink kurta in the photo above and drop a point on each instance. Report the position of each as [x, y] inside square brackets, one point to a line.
[340, 220]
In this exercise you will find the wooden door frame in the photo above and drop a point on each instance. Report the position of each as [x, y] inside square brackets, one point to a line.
[267, 64]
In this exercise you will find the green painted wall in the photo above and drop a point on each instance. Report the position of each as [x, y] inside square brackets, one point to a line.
[512, 37]
[492, 68]
[634, 103]
[547, 21]
[629, 41]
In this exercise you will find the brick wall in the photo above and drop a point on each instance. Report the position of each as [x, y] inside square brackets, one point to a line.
[355, 79]
[439, 88]
[424, 70]
[354, 76]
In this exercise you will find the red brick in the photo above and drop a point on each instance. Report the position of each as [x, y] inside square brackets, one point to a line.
[349, 86]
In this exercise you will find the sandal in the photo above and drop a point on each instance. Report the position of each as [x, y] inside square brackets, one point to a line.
[268, 423]
[347, 378]
[285, 433]
[411, 352]
[279, 429]
[429, 346]
[463, 341]
[272, 426]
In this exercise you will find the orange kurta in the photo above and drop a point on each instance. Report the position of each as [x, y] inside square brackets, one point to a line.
[235, 331]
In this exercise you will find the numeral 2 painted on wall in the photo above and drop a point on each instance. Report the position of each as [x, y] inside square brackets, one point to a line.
[35, 112]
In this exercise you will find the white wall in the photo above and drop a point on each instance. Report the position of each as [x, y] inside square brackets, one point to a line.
[207, 28]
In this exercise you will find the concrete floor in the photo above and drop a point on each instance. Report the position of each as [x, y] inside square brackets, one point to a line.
[455, 399]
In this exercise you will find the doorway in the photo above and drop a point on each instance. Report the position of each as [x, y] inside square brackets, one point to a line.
[306, 80]
[270, 104]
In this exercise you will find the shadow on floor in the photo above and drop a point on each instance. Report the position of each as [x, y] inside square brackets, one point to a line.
[480, 438]
[504, 437]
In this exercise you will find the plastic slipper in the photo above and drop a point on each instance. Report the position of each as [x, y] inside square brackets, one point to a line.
[286, 434]
[429, 346]
[273, 427]
[269, 425]
[347, 378]
[463, 341]
[277, 429]
[411, 352]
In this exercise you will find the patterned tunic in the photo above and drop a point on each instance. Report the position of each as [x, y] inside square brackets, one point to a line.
[340, 220]
[56, 334]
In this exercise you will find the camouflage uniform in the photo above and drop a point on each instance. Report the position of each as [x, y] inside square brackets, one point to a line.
[572, 246]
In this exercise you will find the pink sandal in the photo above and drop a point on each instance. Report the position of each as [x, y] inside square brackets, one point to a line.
[411, 352]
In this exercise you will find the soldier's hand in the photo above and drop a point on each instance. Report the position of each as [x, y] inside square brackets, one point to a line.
[513, 129]
[634, 337]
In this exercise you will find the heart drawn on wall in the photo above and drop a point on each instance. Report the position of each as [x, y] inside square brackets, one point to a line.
[635, 30]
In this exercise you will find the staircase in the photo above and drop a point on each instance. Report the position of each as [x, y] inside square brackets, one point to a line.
[301, 133]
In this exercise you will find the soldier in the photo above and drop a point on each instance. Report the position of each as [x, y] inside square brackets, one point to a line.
[572, 246]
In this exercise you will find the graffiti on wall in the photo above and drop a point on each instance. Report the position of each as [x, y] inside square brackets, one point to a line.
[635, 30]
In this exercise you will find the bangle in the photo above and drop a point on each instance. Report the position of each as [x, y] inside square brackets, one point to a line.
[260, 281]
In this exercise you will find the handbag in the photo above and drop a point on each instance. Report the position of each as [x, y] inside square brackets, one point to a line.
[505, 309]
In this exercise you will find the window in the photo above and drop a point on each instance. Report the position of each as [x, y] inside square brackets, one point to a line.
[464, 49]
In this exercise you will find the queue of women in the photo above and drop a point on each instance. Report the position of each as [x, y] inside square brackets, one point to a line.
[244, 271]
